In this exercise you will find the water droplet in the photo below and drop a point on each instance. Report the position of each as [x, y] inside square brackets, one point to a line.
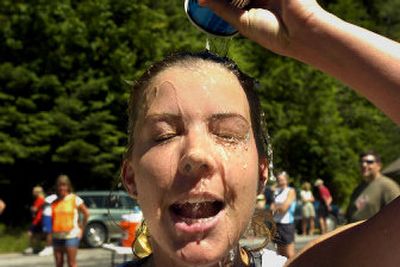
[268, 147]
[245, 166]
[218, 45]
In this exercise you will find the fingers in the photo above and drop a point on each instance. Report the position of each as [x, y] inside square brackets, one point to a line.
[225, 10]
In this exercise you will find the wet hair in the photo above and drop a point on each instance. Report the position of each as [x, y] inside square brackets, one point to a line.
[372, 153]
[189, 59]
[261, 224]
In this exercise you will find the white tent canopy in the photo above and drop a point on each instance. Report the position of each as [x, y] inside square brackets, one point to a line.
[393, 168]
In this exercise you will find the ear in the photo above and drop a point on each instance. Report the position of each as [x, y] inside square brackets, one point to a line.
[128, 178]
[263, 174]
[379, 165]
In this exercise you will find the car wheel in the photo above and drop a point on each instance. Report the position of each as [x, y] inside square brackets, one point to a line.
[95, 235]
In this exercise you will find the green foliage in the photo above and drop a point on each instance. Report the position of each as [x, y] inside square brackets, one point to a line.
[13, 239]
[63, 91]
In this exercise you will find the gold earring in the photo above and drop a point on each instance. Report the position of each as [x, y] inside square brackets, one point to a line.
[141, 247]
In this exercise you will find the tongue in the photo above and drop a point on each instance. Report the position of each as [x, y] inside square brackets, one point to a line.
[197, 210]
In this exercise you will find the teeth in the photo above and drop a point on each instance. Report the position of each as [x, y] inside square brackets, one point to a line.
[193, 211]
[190, 221]
[196, 200]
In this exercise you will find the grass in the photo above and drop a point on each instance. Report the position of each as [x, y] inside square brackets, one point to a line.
[13, 239]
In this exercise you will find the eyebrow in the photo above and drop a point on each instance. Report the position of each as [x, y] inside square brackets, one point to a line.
[170, 117]
[162, 117]
[221, 116]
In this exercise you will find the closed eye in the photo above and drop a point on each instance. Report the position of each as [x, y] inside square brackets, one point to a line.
[229, 137]
[163, 138]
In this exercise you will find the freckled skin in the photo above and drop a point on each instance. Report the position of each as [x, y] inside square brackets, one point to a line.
[205, 117]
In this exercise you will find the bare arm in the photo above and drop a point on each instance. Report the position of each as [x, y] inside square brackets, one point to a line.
[283, 207]
[2, 206]
[328, 201]
[301, 29]
[85, 215]
[369, 244]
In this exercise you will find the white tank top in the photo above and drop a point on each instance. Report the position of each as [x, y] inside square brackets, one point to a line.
[280, 196]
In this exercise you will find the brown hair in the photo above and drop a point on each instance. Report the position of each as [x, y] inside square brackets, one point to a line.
[185, 58]
[64, 179]
[261, 224]
[306, 186]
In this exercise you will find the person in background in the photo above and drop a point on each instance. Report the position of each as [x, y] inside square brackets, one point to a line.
[260, 202]
[307, 209]
[324, 197]
[269, 195]
[67, 230]
[2, 206]
[283, 210]
[374, 192]
[47, 225]
[35, 230]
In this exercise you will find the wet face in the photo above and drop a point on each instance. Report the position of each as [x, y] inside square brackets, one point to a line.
[370, 168]
[194, 165]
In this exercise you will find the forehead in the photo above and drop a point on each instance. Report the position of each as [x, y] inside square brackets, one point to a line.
[205, 85]
[282, 178]
[368, 157]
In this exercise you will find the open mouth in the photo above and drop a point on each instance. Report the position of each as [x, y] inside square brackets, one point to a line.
[194, 210]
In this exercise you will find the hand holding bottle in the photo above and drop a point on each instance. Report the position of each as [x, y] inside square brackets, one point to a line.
[301, 29]
[280, 26]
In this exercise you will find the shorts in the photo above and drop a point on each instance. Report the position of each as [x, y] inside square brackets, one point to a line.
[36, 229]
[284, 233]
[308, 210]
[322, 210]
[68, 242]
[47, 224]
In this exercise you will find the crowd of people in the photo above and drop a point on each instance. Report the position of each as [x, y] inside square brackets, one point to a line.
[196, 158]
[55, 221]
[286, 203]
[315, 203]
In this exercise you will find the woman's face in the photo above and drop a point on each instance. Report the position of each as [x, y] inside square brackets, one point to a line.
[62, 189]
[194, 165]
[282, 180]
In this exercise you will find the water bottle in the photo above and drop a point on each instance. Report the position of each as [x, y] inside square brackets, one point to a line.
[207, 21]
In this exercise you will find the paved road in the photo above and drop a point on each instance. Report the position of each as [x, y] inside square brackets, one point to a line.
[93, 257]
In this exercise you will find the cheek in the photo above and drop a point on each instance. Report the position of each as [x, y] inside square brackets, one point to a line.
[242, 179]
[243, 166]
[154, 176]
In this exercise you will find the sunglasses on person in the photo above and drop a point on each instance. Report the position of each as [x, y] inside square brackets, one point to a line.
[368, 161]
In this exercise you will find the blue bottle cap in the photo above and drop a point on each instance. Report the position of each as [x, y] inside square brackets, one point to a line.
[207, 21]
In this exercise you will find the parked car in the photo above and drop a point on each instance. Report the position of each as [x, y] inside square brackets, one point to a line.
[106, 209]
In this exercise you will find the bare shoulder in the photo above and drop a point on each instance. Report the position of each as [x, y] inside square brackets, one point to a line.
[369, 243]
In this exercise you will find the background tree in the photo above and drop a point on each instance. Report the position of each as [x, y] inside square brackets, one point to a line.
[65, 68]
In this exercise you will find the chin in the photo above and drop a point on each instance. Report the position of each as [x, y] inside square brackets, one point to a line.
[198, 254]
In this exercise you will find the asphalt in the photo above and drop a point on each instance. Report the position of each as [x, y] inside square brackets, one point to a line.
[99, 257]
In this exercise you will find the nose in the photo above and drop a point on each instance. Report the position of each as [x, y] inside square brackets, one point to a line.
[197, 159]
